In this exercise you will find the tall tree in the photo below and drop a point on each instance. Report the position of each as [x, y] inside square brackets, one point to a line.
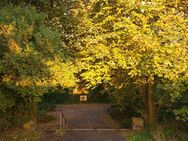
[31, 58]
[143, 39]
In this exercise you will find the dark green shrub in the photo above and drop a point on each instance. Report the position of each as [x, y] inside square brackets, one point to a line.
[46, 106]
[117, 113]
[126, 123]
[42, 117]
[4, 124]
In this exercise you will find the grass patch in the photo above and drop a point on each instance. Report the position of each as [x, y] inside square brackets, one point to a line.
[162, 132]
[140, 136]
[21, 135]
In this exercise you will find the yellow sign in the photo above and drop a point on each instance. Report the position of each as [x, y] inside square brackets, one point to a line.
[83, 98]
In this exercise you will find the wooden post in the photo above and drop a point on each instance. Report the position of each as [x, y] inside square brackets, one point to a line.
[137, 123]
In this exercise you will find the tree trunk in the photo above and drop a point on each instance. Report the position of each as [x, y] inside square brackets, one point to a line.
[142, 90]
[146, 90]
[150, 103]
[31, 124]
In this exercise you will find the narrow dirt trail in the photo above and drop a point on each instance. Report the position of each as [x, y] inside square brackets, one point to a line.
[87, 116]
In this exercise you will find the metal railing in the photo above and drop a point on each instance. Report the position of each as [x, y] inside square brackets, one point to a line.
[62, 121]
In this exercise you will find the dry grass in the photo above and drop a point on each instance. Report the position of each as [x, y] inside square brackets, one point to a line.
[20, 135]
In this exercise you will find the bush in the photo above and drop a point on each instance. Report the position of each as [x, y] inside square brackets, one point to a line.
[42, 117]
[126, 122]
[59, 98]
[46, 106]
[117, 113]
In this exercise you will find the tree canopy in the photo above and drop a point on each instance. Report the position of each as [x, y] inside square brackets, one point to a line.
[45, 44]
[141, 40]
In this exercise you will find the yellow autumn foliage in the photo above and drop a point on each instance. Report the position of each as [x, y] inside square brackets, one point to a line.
[13, 46]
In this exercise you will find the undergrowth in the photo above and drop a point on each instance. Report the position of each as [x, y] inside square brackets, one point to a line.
[21, 135]
[169, 131]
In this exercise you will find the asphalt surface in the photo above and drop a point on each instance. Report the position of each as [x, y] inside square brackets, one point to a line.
[86, 116]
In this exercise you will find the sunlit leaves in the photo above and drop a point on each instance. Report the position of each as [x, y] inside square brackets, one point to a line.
[31, 58]
[182, 114]
[139, 41]
[145, 38]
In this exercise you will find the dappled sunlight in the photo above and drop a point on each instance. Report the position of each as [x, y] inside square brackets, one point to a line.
[7, 30]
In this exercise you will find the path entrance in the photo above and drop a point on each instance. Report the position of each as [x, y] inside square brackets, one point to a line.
[88, 122]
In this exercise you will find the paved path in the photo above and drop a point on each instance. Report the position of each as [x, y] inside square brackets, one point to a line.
[82, 116]
[92, 136]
